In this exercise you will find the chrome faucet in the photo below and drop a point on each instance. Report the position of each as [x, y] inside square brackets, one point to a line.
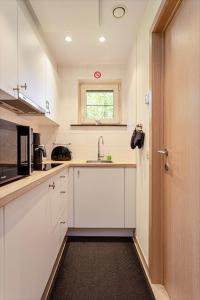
[99, 148]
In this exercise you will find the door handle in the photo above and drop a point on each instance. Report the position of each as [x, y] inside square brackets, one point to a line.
[163, 152]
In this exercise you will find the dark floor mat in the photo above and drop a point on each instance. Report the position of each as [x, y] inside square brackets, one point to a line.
[101, 268]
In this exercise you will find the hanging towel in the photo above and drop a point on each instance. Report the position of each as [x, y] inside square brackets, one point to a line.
[133, 138]
[137, 139]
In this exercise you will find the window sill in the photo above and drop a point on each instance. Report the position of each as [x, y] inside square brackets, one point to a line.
[98, 125]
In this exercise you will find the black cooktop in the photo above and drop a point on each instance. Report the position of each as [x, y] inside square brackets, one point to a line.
[46, 167]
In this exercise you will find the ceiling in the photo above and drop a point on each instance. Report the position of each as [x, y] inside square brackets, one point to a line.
[85, 23]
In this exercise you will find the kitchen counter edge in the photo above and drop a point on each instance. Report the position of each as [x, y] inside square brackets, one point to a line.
[17, 188]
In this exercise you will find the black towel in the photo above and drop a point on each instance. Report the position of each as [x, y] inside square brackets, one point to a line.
[137, 139]
[133, 139]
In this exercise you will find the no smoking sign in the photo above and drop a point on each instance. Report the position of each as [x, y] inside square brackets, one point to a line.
[97, 74]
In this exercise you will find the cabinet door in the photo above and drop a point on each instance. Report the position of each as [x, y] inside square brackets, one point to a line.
[28, 260]
[99, 197]
[64, 191]
[31, 60]
[51, 91]
[70, 205]
[130, 198]
[8, 48]
[58, 198]
[1, 256]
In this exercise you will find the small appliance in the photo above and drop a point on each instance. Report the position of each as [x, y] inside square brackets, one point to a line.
[61, 153]
[39, 152]
[16, 151]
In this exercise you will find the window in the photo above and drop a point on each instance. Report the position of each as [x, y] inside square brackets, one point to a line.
[99, 103]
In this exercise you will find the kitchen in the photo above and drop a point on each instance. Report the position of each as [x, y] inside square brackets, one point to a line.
[75, 150]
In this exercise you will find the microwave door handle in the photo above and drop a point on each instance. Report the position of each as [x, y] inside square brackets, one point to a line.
[24, 150]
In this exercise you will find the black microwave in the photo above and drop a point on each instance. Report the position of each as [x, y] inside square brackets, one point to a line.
[16, 151]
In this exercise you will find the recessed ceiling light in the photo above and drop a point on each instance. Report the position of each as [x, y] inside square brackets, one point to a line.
[119, 11]
[68, 39]
[102, 39]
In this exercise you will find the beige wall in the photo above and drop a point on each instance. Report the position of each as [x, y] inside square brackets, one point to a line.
[84, 141]
[138, 85]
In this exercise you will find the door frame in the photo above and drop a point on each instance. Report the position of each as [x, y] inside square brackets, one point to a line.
[165, 14]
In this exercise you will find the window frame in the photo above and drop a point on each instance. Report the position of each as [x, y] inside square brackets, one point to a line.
[115, 86]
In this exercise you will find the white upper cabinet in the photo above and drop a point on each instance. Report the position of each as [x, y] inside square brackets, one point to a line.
[23, 60]
[51, 91]
[31, 60]
[8, 48]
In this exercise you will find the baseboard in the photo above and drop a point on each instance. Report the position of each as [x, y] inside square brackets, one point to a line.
[47, 291]
[112, 232]
[158, 290]
[141, 256]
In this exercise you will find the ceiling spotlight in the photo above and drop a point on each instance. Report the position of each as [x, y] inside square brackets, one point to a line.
[102, 39]
[68, 39]
[119, 11]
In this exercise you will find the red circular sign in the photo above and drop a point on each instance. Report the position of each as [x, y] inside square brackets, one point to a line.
[97, 74]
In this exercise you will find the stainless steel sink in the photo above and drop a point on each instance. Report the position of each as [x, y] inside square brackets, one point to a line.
[99, 161]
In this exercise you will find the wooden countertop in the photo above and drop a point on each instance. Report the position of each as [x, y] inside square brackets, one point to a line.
[107, 165]
[17, 188]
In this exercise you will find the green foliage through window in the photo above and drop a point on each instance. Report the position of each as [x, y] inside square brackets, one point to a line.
[100, 104]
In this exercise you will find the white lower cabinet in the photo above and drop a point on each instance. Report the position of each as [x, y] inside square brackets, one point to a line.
[27, 244]
[58, 197]
[103, 198]
[32, 239]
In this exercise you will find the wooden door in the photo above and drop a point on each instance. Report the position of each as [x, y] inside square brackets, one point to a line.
[182, 140]
[1, 255]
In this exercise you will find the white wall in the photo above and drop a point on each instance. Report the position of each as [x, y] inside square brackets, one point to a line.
[13, 117]
[138, 86]
[84, 141]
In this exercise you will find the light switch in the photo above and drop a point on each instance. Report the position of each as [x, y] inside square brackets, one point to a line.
[147, 97]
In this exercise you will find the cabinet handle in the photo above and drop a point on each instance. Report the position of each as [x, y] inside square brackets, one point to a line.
[16, 89]
[63, 192]
[62, 176]
[62, 222]
[52, 185]
[78, 173]
[24, 86]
